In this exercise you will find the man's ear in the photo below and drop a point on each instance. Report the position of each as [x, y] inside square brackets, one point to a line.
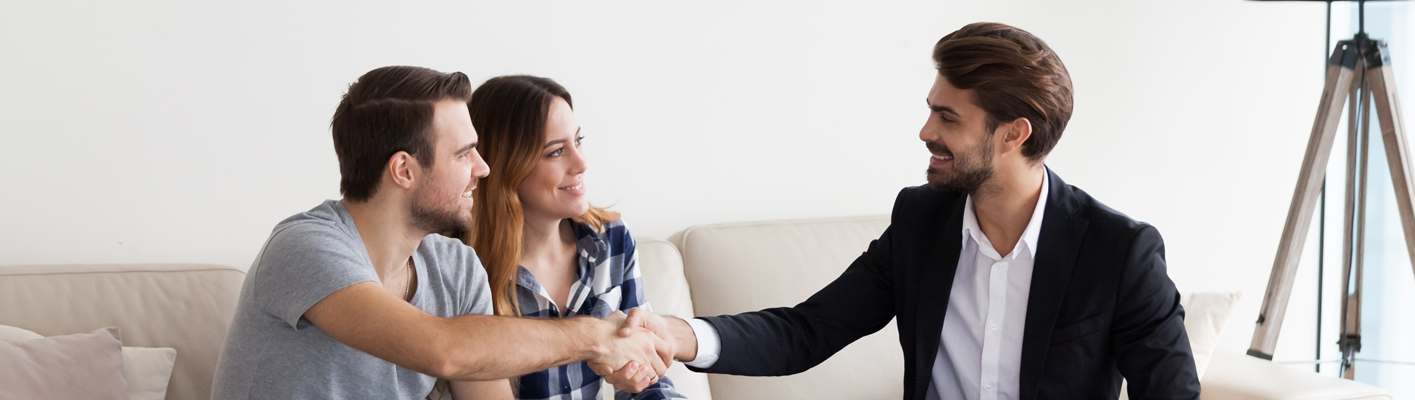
[404, 169]
[1015, 133]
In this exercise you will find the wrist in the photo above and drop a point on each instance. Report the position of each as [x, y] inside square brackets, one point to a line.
[686, 341]
[595, 334]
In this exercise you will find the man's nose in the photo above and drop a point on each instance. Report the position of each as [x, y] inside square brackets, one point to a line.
[480, 169]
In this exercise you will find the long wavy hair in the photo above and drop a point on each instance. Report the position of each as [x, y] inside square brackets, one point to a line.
[510, 114]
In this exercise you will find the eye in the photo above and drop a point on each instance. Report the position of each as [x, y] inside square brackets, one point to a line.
[578, 140]
[556, 153]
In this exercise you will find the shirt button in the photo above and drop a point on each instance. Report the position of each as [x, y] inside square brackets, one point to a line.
[987, 386]
[993, 327]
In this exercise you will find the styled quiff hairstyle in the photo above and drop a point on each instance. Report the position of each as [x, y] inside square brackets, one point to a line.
[386, 111]
[1013, 75]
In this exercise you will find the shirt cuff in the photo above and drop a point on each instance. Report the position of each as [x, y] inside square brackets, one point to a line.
[709, 344]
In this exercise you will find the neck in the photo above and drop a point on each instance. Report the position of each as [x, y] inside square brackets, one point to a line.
[387, 232]
[543, 238]
[1005, 204]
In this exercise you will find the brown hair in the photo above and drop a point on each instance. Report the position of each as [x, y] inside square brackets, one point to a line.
[386, 111]
[509, 114]
[1014, 75]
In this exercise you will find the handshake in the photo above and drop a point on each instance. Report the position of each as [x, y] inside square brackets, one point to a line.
[639, 347]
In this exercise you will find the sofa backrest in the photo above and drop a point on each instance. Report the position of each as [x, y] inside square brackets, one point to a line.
[183, 306]
[740, 267]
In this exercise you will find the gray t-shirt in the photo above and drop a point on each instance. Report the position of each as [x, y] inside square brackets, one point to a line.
[273, 352]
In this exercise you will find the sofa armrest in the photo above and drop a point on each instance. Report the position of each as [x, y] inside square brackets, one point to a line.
[1235, 376]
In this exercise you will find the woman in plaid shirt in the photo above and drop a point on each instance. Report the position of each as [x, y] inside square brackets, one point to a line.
[547, 251]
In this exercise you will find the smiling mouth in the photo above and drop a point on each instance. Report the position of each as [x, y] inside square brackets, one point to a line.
[576, 186]
[943, 157]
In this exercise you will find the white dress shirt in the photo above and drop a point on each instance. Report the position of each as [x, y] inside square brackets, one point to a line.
[980, 349]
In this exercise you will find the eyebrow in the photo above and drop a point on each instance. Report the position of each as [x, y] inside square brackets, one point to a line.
[466, 148]
[940, 109]
[555, 142]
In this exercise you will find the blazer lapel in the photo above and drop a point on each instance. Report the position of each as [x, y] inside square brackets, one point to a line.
[934, 285]
[1057, 245]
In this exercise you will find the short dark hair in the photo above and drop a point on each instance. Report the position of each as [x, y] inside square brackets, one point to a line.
[386, 111]
[1014, 75]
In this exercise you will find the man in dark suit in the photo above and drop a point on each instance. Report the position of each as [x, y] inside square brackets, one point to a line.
[1007, 283]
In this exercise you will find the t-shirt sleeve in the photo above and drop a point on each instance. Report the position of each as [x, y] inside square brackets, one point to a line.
[304, 263]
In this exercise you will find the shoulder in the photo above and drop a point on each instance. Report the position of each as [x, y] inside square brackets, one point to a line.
[301, 241]
[309, 230]
[616, 234]
[923, 196]
[921, 207]
[448, 253]
[1106, 224]
[319, 228]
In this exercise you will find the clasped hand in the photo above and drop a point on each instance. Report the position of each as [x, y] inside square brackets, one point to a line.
[646, 359]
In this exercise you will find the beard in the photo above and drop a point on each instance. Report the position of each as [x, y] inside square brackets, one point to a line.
[434, 212]
[970, 170]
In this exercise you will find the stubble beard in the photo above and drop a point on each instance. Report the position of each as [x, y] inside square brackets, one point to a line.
[971, 170]
[436, 213]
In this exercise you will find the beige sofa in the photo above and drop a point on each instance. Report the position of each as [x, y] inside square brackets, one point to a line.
[703, 270]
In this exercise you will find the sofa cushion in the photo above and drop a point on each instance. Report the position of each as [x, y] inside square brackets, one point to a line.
[1236, 376]
[734, 268]
[78, 366]
[661, 266]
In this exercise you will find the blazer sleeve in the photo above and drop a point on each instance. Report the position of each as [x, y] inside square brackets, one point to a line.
[789, 340]
[1148, 330]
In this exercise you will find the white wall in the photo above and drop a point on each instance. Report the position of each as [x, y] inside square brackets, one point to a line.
[183, 131]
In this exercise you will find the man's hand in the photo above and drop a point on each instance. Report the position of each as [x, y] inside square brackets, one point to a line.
[673, 330]
[640, 350]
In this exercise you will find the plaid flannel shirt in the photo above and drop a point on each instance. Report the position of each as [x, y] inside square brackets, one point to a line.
[607, 281]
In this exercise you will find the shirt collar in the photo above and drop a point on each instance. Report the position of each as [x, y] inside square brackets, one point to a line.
[590, 247]
[971, 229]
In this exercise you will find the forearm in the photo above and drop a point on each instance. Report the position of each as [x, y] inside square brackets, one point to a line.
[481, 390]
[480, 347]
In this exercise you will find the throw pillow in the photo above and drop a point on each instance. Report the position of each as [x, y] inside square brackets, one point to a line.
[147, 370]
[81, 366]
[1205, 316]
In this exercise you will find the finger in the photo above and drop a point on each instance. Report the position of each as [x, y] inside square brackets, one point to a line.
[624, 376]
[634, 320]
[638, 379]
[660, 368]
[626, 379]
[665, 350]
[645, 380]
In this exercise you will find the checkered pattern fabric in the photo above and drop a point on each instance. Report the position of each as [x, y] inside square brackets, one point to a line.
[607, 281]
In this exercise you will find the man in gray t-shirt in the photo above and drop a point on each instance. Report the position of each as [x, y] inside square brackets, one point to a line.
[359, 298]
[272, 351]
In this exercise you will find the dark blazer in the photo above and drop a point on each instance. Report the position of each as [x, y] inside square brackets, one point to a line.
[1101, 306]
